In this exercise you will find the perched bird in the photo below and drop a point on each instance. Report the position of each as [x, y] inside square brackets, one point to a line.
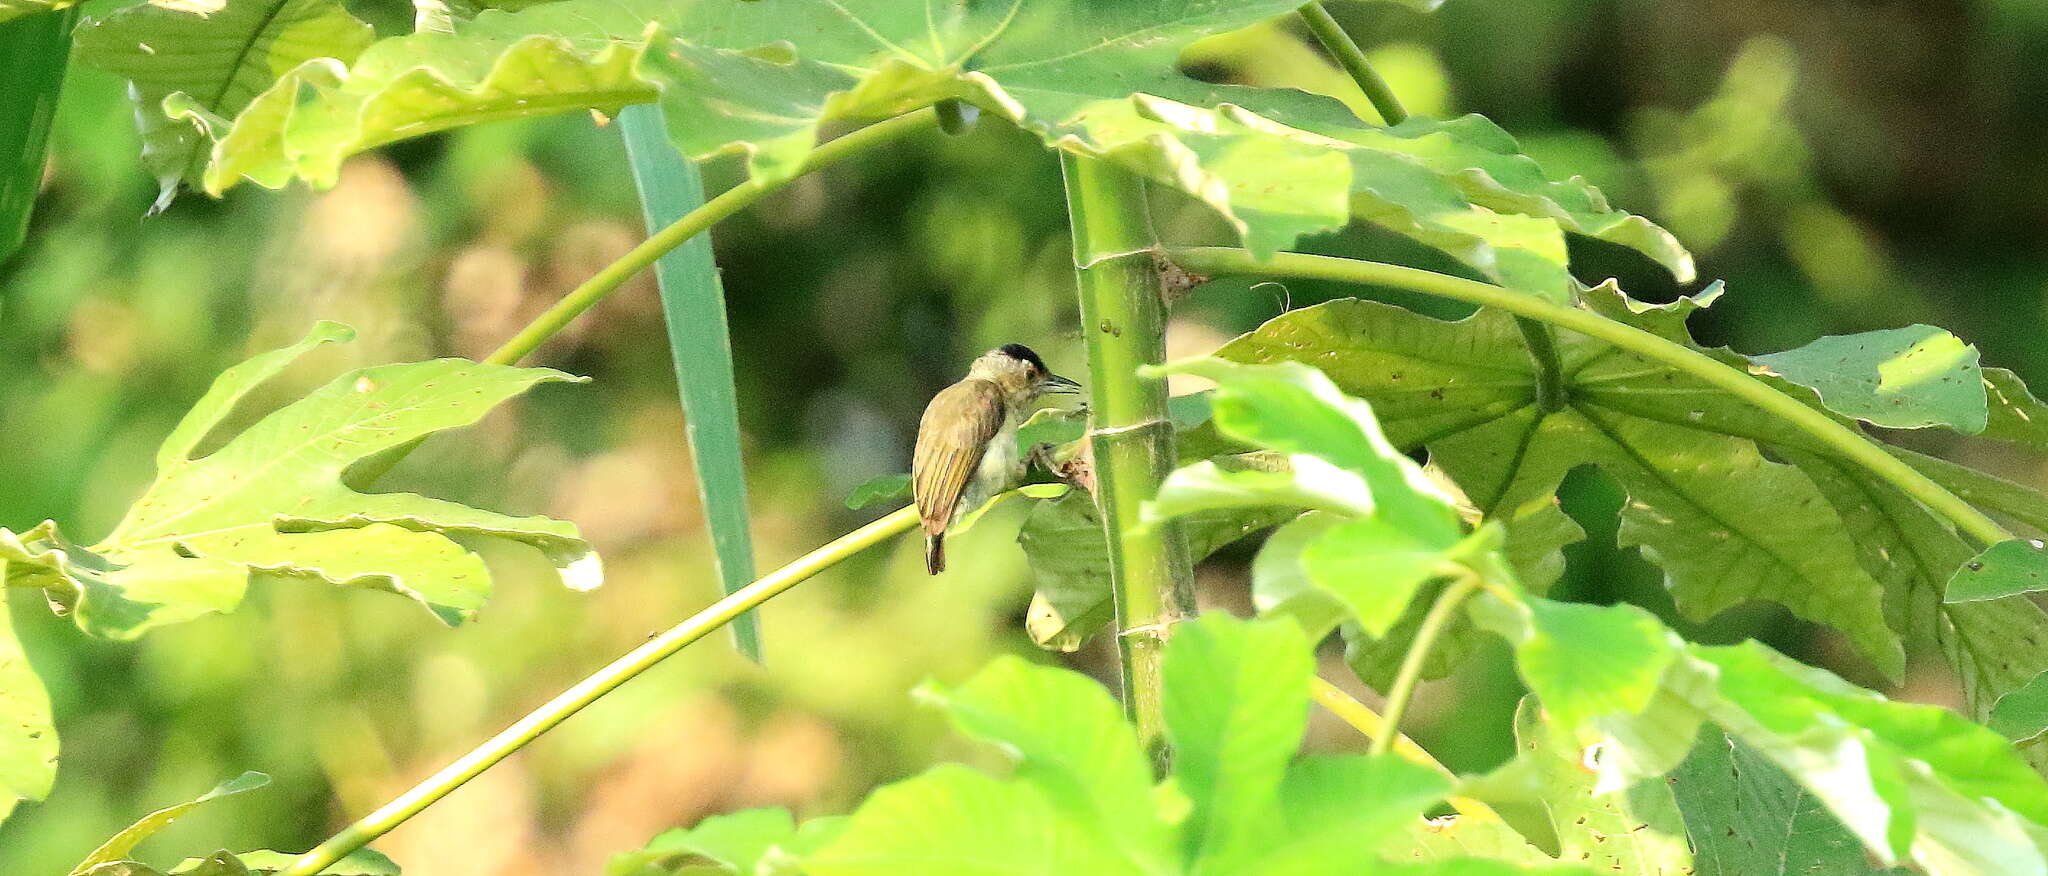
[967, 442]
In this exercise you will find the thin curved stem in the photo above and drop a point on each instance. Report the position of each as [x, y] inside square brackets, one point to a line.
[1850, 444]
[1369, 724]
[1349, 56]
[599, 683]
[609, 278]
[1542, 346]
[1403, 689]
[612, 276]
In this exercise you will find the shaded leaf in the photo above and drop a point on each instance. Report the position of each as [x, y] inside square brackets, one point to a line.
[879, 489]
[196, 65]
[1746, 816]
[33, 55]
[271, 501]
[2007, 568]
[2022, 713]
[361, 862]
[1904, 378]
[119, 845]
[1466, 391]
[11, 9]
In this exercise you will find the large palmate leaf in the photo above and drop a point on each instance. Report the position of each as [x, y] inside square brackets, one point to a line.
[1636, 832]
[271, 501]
[1094, 77]
[28, 739]
[1905, 378]
[1466, 391]
[194, 66]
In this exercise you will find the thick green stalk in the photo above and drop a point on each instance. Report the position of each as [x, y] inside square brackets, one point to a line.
[1123, 320]
[599, 683]
[1550, 395]
[1410, 674]
[609, 278]
[1843, 440]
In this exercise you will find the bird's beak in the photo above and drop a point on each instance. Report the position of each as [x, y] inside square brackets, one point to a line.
[1056, 383]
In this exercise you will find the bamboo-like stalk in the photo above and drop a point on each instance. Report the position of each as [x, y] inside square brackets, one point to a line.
[599, 683]
[1123, 319]
[1840, 439]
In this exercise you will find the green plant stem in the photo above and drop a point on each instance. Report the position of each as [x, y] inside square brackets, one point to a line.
[1847, 442]
[599, 683]
[612, 276]
[1349, 56]
[1123, 321]
[1550, 395]
[609, 278]
[1403, 688]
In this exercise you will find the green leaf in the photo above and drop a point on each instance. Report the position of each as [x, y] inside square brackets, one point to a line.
[1070, 739]
[2007, 568]
[1338, 810]
[1236, 704]
[28, 737]
[1070, 564]
[954, 820]
[879, 489]
[1905, 378]
[734, 843]
[33, 55]
[270, 501]
[2022, 713]
[1584, 661]
[1281, 585]
[693, 306]
[1095, 78]
[195, 65]
[1746, 816]
[361, 862]
[120, 844]
[1465, 390]
[1637, 831]
[1373, 567]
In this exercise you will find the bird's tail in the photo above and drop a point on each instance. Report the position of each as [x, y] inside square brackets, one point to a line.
[935, 553]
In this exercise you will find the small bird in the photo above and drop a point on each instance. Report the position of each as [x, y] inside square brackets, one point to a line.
[967, 441]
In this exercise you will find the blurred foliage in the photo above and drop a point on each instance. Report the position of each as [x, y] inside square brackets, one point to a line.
[1854, 166]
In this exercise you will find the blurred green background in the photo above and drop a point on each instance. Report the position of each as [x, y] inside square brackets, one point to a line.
[1845, 165]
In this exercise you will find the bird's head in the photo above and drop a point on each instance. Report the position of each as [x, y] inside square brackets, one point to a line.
[1020, 373]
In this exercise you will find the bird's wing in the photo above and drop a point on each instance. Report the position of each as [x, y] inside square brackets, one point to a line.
[956, 428]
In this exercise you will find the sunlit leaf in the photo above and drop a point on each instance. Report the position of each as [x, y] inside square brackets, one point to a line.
[1905, 378]
[1585, 661]
[734, 843]
[119, 845]
[1236, 704]
[11, 9]
[1069, 738]
[196, 65]
[28, 738]
[270, 501]
[954, 820]
[1636, 831]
